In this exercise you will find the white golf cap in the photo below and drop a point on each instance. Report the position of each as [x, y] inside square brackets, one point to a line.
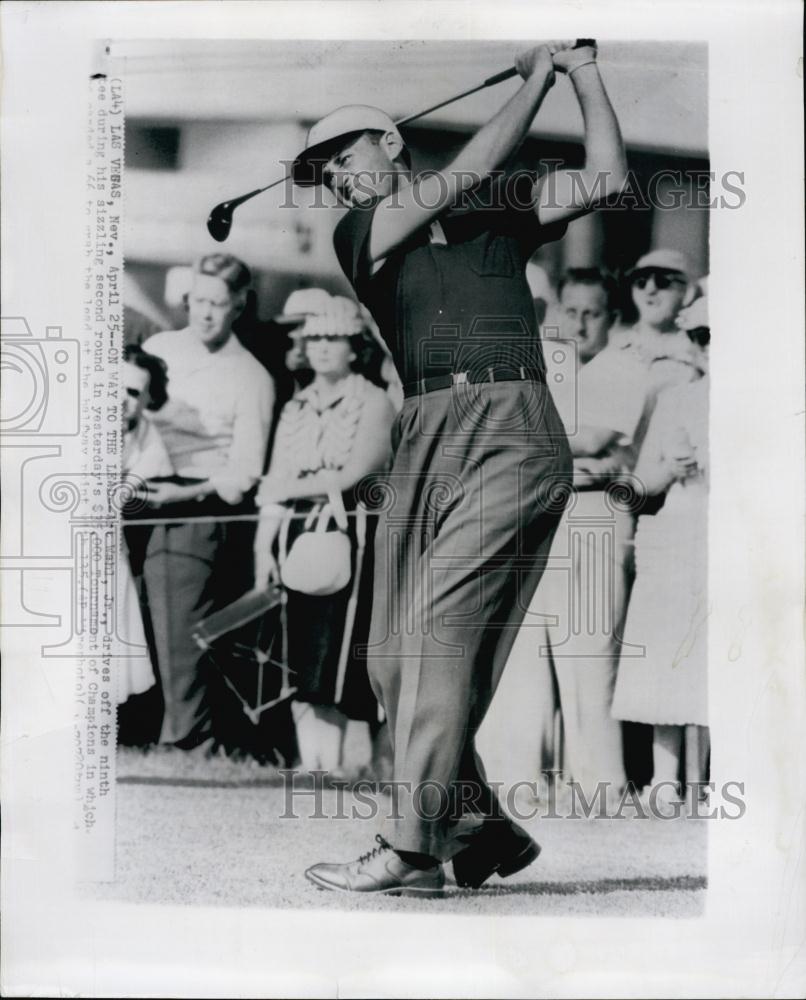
[663, 260]
[332, 132]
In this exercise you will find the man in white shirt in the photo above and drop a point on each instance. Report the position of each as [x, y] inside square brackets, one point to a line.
[575, 619]
[518, 736]
[215, 427]
[576, 329]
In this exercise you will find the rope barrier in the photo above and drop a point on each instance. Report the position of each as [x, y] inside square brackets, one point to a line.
[214, 519]
[287, 515]
[250, 518]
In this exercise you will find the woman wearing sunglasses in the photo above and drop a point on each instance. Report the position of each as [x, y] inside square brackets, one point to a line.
[666, 687]
[616, 394]
[661, 284]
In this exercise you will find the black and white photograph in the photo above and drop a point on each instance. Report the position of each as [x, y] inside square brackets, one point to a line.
[421, 536]
[375, 511]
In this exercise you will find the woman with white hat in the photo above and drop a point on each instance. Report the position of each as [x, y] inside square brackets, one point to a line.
[331, 436]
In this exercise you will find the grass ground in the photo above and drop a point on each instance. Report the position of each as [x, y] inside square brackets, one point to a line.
[213, 834]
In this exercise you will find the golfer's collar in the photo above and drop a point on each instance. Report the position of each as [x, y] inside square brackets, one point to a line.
[436, 234]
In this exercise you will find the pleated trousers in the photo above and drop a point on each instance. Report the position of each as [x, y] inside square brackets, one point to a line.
[480, 477]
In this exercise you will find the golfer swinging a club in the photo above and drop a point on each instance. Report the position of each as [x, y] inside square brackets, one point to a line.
[481, 465]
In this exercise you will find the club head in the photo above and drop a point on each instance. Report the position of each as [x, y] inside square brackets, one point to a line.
[219, 221]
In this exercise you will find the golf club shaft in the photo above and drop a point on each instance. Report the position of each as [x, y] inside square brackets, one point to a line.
[225, 209]
[507, 74]
[257, 191]
[491, 81]
[498, 78]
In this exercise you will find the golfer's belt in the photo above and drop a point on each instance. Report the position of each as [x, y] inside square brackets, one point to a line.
[482, 375]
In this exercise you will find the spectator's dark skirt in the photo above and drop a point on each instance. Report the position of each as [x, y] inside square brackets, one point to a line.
[316, 632]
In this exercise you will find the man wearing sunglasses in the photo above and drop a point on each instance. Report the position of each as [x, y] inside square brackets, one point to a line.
[616, 395]
[660, 284]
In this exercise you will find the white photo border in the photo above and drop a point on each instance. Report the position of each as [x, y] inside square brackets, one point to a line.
[750, 940]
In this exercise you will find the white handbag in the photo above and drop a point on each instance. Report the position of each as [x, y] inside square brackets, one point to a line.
[319, 561]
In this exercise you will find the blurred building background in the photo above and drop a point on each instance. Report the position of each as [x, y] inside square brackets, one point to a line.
[207, 121]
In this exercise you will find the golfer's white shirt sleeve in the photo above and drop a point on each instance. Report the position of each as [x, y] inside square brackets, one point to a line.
[613, 393]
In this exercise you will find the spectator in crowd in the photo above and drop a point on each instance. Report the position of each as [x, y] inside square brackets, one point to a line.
[145, 390]
[667, 686]
[300, 304]
[331, 436]
[575, 332]
[661, 283]
[215, 426]
[527, 698]
[587, 309]
[582, 599]
[316, 301]
[278, 346]
[272, 342]
[144, 456]
[617, 393]
[295, 359]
